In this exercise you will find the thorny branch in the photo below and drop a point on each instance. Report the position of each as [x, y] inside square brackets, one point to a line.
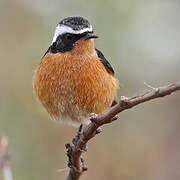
[74, 152]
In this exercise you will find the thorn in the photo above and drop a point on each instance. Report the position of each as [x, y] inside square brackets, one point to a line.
[77, 137]
[80, 128]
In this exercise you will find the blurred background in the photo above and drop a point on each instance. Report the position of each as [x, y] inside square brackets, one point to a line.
[141, 39]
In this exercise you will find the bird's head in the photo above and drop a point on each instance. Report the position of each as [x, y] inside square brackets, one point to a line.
[69, 31]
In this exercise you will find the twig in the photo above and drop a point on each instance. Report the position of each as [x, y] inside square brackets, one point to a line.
[4, 157]
[3, 151]
[74, 152]
[7, 172]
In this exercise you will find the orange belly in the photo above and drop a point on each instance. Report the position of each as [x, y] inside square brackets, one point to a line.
[70, 88]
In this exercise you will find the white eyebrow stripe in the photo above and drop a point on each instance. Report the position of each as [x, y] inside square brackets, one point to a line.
[61, 29]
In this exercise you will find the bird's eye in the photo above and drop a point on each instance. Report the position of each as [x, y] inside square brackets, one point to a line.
[69, 36]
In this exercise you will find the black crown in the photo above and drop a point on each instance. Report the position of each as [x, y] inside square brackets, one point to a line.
[76, 23]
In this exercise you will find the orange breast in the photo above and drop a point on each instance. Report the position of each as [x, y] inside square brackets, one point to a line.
[71, 87]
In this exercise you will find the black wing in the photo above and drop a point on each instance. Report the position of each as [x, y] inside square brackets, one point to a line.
[105, 62]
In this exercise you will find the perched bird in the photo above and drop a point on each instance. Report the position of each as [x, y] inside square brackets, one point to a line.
[74, 79]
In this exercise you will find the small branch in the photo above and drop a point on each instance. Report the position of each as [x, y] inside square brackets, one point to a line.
[74, 152]
[7, 173]
[3, 151]
[4, 157]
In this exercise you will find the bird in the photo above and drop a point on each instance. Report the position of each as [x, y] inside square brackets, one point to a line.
[73, 78]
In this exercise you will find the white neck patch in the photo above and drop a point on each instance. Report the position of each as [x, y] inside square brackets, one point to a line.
[62, 29]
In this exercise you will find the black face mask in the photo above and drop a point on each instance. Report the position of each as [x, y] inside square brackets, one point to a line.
[66, 42]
